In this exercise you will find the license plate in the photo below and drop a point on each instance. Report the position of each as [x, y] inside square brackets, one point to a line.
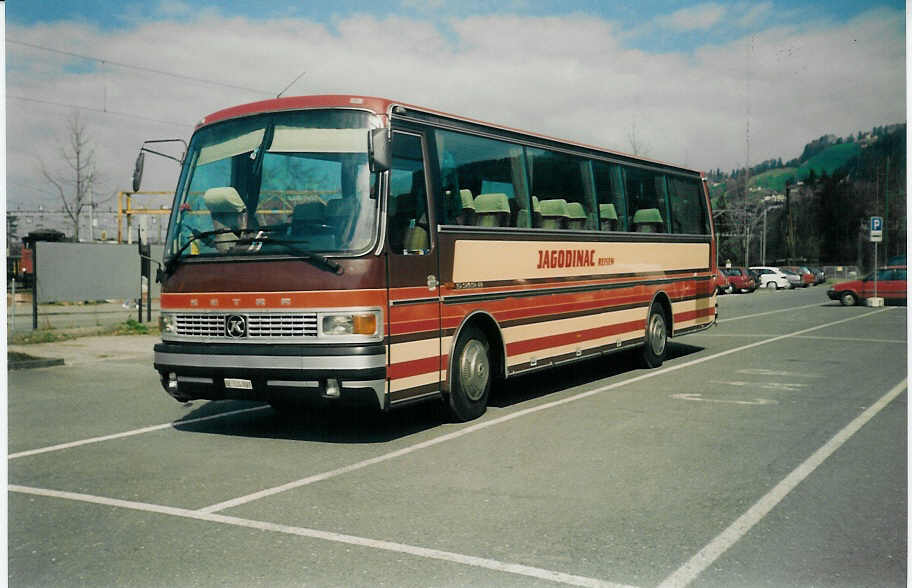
[238, 383]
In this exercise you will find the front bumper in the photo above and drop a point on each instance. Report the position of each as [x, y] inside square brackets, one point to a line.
[295, 373]
[832, 294]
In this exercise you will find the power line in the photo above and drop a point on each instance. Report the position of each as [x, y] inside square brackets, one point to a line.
[103, 111]
[139, 68]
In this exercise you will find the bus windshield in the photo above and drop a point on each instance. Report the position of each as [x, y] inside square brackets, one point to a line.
[277, 184]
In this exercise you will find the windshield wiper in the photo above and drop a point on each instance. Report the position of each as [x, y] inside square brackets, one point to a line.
[172, 262]
[315, 258]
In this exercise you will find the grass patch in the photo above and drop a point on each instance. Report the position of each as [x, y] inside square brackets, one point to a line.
[131, 327]
[40, 336]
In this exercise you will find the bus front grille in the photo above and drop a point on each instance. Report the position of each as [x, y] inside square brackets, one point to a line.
[257, 325]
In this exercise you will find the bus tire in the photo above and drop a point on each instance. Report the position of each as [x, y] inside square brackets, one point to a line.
[653, 352]
[471, 381]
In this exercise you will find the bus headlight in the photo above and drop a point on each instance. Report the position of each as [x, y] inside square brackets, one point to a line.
[167, 323]
[359, 323]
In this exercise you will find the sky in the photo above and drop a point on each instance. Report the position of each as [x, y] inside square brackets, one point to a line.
[702, 84]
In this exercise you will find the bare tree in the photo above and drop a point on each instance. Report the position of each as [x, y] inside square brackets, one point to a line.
[637, 144]
[76, 186]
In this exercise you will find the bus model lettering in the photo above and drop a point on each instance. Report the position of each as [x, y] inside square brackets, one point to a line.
[565, 258]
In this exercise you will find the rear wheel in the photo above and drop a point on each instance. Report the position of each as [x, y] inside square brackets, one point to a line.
[848, 299]
[653, 353]
[772, 285]
[471, 382]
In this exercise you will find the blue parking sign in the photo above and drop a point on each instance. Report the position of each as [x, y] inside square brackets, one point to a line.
[876, 229]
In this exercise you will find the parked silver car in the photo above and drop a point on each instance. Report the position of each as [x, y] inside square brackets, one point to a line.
[771, 277]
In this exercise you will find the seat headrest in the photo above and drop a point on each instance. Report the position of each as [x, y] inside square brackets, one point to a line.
[647, 215]
[576, 211]
[554, 207]
[493, 202]
[223, 199]
[465, 199]
[607, 212]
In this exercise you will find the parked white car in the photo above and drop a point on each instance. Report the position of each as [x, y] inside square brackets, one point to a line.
[771, 277]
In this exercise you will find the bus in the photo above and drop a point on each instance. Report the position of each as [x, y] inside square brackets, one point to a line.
[344, 249]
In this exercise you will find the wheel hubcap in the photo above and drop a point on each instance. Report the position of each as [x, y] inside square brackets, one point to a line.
[656, 333]
[474, 369]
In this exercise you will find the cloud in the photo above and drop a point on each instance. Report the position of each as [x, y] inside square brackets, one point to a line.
[753, 14]
[174, 8]
[693, 18]
[570, 76]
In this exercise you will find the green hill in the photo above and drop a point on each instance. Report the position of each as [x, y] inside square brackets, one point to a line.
[829, 160]
[775, 179]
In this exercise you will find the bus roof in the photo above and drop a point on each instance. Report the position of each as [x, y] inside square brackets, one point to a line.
[382, 107]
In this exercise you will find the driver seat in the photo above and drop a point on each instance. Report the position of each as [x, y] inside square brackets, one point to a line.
[228, 211]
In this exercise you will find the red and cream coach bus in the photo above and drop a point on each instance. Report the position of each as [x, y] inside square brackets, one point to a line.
[348, 248]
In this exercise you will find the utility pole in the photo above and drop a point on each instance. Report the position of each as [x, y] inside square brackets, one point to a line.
[886, 232]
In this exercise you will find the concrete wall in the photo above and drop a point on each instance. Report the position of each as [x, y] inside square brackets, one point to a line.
[89, 271]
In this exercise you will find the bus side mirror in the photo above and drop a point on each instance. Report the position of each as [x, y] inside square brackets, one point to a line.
[138, 171]
[379, 152]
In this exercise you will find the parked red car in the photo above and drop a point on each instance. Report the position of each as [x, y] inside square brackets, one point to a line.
[807, 276]
[740, 278]
[891, 286]
[722, 284]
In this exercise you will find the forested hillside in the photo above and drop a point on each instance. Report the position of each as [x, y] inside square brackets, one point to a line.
[834, 186]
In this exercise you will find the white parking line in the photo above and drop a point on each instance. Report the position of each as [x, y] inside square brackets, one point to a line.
[509, 417]
[447, 556]
[810, 337]
[709, 554]
[747, 316]
[856, 340]
[130, 433]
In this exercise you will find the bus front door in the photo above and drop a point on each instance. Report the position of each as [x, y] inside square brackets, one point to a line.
[412, 276]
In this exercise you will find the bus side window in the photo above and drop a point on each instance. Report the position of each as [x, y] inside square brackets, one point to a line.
[646, 200]
[483, 181]
[407, 210]
[609, 190]
[565, 190]
[688, 208]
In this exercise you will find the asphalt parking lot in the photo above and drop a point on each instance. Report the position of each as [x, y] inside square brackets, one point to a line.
[767, 451]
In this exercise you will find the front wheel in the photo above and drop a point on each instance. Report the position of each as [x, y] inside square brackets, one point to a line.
[471, 381]
[653, 352]
[848, 299]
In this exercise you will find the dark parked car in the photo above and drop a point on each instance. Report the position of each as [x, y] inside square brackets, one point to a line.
[819, 274]
[740, 278]
[891, 286]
